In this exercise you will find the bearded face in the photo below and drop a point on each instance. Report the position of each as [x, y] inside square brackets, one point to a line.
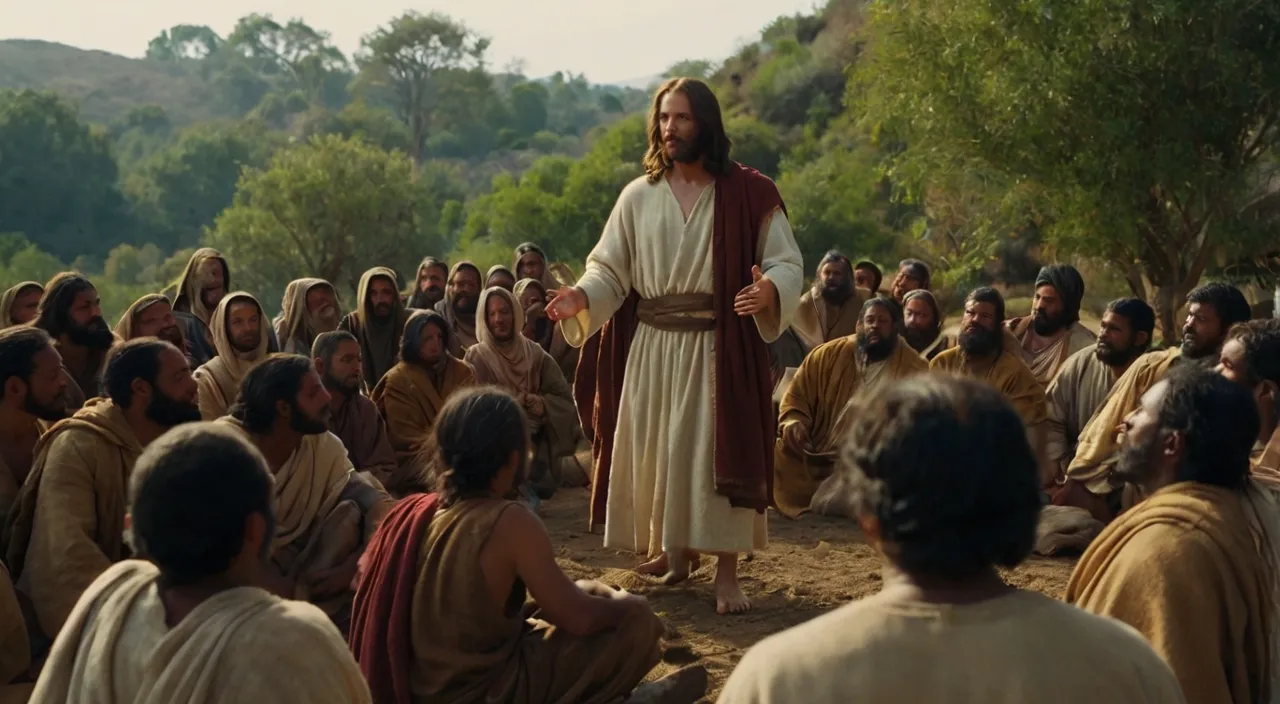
[95, 334]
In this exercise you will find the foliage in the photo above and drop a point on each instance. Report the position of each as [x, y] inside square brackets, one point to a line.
[1130, 132]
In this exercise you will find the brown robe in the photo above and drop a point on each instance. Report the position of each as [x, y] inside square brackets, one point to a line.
[817, 321]
[218, 380]
[745, 425]
[1183, 568]
[1266, 465]
[828, 379]
[364, 434]
[464, 645]
[379, 341]
[463, 328]
[67, 525]
[1005, 371]
[410, 398]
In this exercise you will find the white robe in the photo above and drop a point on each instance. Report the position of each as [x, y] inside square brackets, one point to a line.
[662, 494]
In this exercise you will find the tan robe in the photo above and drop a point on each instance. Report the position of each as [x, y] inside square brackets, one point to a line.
[1075, 395]
[817, 321]
[238, 646]
[1096, 451]
[1266, 463]
[219, 379]
[1046, 363]
[662, 493]
[534, 373]
[189, 307]
[819, 395]
[67, 524]
[1182, 567]
[1013, 649]
[364, 434]
[9, 297]
[409, 399]
[293, 326]
[1006, 372]
[464, 644]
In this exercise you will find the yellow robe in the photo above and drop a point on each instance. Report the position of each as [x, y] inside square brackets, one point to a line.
[1007, 373]
[219, 379]
[1096, 449]
[409, 399]
[1266, 465]
[826, 382]
[67, 525]
[238, 646]
[1183, 568]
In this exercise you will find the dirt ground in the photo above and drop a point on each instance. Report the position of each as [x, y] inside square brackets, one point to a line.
[811, 566]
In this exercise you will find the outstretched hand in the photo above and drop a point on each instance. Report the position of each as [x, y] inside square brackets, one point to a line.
[756, 298]
[567, 303]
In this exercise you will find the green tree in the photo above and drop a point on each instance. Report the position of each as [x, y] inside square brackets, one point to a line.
[690, 68]
[408, 58]
[1132, 132]
[184, 41]
[529, 108]
[755, 144]
[331, 208]
[57, 177]
[296, 50]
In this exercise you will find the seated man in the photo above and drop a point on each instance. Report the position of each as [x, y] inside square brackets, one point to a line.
[503, 357]
[1193, 565]
[193, 623]
[1251, 357]
[944, 484]
[354, 418]
[152, 316]
[238, 337]
[1053, 332]
[831, 308]
[32, 395]
[309, 308]
[67, 523]
[462, 558]
[924, 323]
[532, 295]
[19, 304]
[814, 416]
[325, 510]
[411, 395]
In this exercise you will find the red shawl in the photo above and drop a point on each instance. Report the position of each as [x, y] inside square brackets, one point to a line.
[382, 613]
[745, 425]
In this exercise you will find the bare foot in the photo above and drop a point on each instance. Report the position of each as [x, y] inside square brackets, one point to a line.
[684, 564]
[684, 686]
[655, 567]
[729, 596]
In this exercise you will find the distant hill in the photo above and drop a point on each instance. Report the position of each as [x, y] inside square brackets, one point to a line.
[106, 86]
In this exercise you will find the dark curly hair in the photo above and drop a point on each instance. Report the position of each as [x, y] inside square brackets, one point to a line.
[944, 464]
[1218, 421]
[1227, 301]
[1261, 342]
[475, 434]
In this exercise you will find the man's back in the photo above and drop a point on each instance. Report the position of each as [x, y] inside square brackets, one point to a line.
[239, 645]
[1021, 647]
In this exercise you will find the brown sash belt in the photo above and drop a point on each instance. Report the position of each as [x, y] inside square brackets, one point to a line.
[682, 312]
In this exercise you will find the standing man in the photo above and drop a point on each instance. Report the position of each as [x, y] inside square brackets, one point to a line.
[354, 418]
[1053, 331]
[378, 322]
[71, 312]
[690, 275]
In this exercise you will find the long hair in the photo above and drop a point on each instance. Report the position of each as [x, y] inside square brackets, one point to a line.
[54, 313]
[713, 143]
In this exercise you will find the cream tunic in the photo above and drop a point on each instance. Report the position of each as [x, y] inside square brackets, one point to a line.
[662, 486]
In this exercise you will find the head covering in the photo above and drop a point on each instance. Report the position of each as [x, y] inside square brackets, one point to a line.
[187, 294]
[927, 296]
[230, 366]
[413, 329]
[547, 279]
[518, 361]
[546, 335]
[464, 328]
[525, 284]
[379, 339]
[9, 297]
[1070, 287]
[296, 326]
[497, 269]
[124, 327]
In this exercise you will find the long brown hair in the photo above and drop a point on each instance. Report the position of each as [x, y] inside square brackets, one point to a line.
[712, 140]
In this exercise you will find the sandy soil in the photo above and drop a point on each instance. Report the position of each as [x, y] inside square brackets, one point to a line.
[811, 566]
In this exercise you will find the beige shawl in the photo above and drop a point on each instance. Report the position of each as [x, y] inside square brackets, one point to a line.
[187, 294]
[515, 364]
[464, 329]
[1046, 363]
[497, 269]
[817, 321]
[219, 378]
[296, 327]
[124, 327]
[10, 296]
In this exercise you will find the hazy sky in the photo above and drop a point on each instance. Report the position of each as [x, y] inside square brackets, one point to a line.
[608, 40]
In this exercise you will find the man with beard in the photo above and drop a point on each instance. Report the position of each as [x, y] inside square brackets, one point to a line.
[924, 322]
[459, 306]
[428, 285]
[378, 322]
[18, 304]
[913, 275]
[531, 263]
[67, 525]
[152, 316]
[1080, 389]
[191, 619]
[814, 417]
[1053, 331]
[326, 510]
[988, 352]
[309, 308]
[32, 394]
[1251, 357]
[831, 307]
[412, 394]
[354, 418]
[868, 277]
[196, 296]
[532, 296]
[1193, 566]
[505, 358]
[71, 312]
[238, 337]
[1212, 310]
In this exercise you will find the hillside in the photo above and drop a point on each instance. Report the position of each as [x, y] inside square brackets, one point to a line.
[107, 86]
